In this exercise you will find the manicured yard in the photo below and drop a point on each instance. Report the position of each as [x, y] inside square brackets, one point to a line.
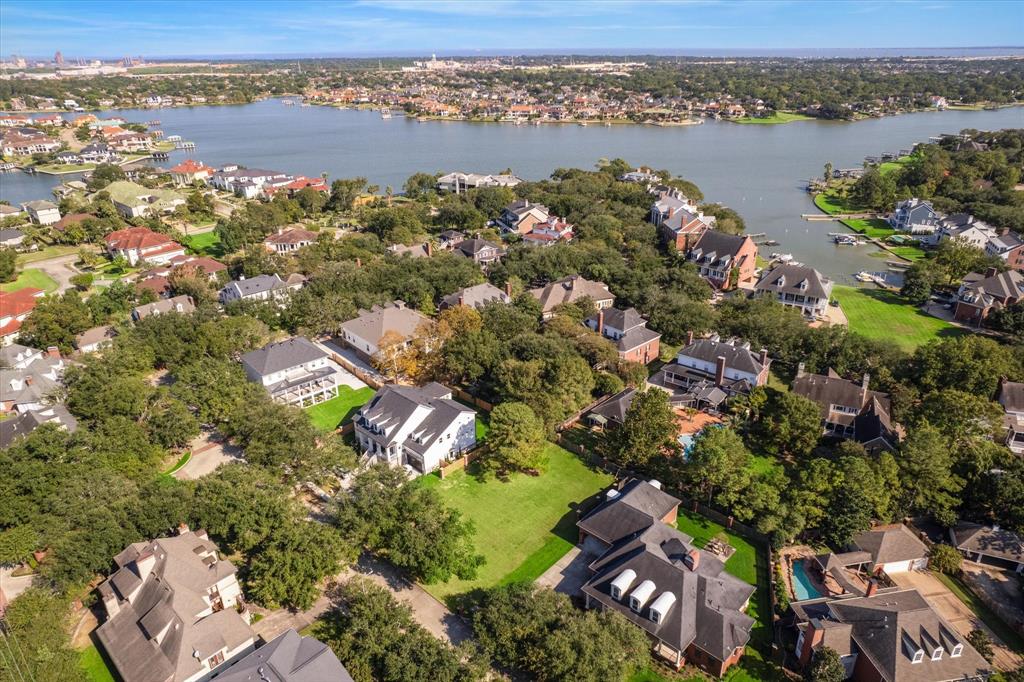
[31, 277]
[95, 667]
[46, 253]
[777, 117]
[880, 314]
[206, 243]
[524, 525]
[329, 415]
[182, 461]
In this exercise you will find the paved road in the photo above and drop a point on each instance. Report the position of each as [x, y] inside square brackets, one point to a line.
[11, 586]
[957, 613]
[428, 612]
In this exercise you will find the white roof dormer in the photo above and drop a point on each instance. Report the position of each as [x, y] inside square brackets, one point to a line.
[641, 594]
[622, 583]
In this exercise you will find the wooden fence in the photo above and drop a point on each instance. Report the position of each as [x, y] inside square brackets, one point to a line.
[471, 399]
[369, 379]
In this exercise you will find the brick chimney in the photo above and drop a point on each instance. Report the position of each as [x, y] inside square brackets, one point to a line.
[800, 370]
[28, 380]
[462, 299]
[692, 560]
[990, 272]
[872, 588]
[764, 356]
[508, 289]
[865, 380]
[813, 636]
[720, 370]
[689, 337]
[600, 322]
[53, 352]
[430, 249]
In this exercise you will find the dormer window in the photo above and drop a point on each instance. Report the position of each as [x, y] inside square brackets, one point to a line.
[937, 654]
[918, 656]
[957, 650]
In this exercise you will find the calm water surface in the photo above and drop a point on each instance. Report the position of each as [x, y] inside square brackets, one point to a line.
[759, 170]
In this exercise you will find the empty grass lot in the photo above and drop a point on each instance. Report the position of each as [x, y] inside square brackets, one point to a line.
[31, 277]
[880, 314]
[523, 525]
[329, 415]
[206, 243]
[774, 119]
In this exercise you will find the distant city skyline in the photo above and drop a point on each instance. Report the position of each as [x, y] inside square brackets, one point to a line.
[186, 29]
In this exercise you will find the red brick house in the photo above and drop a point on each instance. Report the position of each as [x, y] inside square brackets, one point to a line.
[634, 341]
[980, 294]
[725, 260]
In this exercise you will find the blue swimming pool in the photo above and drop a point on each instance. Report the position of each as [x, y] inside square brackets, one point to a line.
[803, 588]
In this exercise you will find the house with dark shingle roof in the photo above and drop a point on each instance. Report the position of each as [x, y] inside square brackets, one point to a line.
[892, 635]
[30, 420]
[612, 412]
[289, 657]
[480, 251]
[797, 286]
[655, 577]
[294, 372]
[981, 293]
[172, 611]
[850, 409]
[709, 370]
[989, 545]
[725, 260]
[893, 548]
[261, 288]
[419, 428]
[628, 329]
[1011, 397]
[521, 216]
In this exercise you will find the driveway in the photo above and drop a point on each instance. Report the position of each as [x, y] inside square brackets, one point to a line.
[427, 611]
[207, 455]
[958, 614]
[569, 573]
[11, 586]
[61, 269]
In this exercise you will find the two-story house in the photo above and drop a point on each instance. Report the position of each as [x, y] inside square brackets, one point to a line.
[679, 221]
[570, 290]
[15, 306]
[190, 171]
[628, 329]
[260, 288]
[365, 333]
[1011, 397]
[709, 370]
[182, 305]
[480, 251]
[42, 212]
[137, 244]
[133, 200]
[725, 260]
[521, 216]
[460, 182]
[981, 293]
[248, 182]
[850, 409]
[1009, 247]
[417, 428]
[173, 610]
[797, 286]
[294, 372]
[914, 216]
[32, 379]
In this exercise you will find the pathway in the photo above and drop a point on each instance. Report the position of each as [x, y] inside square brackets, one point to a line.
[207, 455]
[428, 612]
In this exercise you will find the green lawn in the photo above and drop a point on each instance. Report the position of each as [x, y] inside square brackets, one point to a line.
[206, 243]
[880, 314]
[987, 616]
[329, 415]
[46, 253]
[94, 665]
[776, 118]
[182, 461]
[31, 277]
[524, 525]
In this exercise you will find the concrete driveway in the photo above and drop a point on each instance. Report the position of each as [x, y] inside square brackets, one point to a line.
[957, 613]
[207, 455]
[12, 586]
[569, 573]
[61, 269]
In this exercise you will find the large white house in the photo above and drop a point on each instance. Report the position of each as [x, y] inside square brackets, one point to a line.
[294, 372]
[260, 288]
[416, 428]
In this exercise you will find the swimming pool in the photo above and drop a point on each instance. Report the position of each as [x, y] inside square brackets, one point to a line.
[803, 588]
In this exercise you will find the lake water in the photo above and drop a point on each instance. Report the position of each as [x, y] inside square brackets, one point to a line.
[759, 170]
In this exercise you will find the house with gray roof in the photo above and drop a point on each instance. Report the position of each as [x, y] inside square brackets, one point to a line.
[480, 251]
[365, 332]
[476, 296]
[30, 384]
[1011, 398]
[989, 545]
[654, 576]
[182, 305]
[628, 329]
[294, 372]
[260, 288]
[30, 420]
[570, 290]
[289, 657]
[11, 237]
[42, 212]
[612, 412]
[797, 286]
[709, 370]
[893, 548]
[893, 635]
[724, 260]
[172, 610]
[850, 409]
[914, 216]
[982, 293]
[17, 356]
[418, 428]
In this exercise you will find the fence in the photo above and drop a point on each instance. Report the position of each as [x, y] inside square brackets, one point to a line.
[364, 376]
[460, 463]
[470, 398]
[571, 421]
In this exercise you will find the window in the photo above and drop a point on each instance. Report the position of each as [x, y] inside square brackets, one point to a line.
[957, 650]
[918, 656]
[937, 654]
[634, 604]
[655, 616]
[216, 659]
[616, 592]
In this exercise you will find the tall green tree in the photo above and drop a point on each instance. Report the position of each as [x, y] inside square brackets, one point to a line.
[792, 425]
[515, 441]
[648, 430]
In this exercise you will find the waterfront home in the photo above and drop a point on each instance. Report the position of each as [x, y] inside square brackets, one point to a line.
[628, 329]
[476, 296]
[133, 200]
[416, 428]
[189, 172]
[129, 141]
[67, 158]
[988, 545]
[289, 657]
[11, 238]
[521, 216]
[48, 120]
[707, 371]
[1011, 398]
[287, 240]
[248, 182]
[24, 145]
[173, 610]
[678, 219]
[294, 372]
[981, 293]
[964, 228]
[726, 261]
[459, 182]
[98, 152]
[42, 212]
[8, 211]
[14, 120]
[15, 306]
[654, 576]
[570, 290]
[33, 383]
[260, 288]
[480, 251]
[182, 305]
[797, 286]
[644, 176]
[849, 409]
[138, 244]
[914, 216]
[394, 322]
[891, 634]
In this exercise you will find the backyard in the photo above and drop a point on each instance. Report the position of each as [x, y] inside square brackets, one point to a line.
[206, 244]
[329, 415]
[880, 314]
[523, 525]
[94, 665]
[31, 277]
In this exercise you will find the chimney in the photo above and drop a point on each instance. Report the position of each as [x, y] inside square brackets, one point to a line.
[990, 272]
[692, 560]
[865, 380]
[462, 299]
[872, 588]
[53, 352]
[182, 528]
[508, 289]
[430, 249]
[600, 322]
[764, 357]
[813, 636]
[28, 380]
[720, 370]
[799, 370]
[280, 230]
[689, 338]
[359, 262]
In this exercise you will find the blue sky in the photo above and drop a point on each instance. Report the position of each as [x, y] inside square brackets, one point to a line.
[110, 28]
